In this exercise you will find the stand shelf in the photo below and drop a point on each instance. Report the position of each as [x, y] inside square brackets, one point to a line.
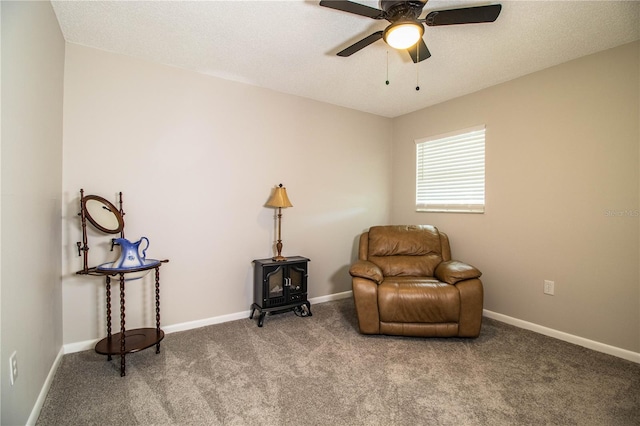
[135, 340]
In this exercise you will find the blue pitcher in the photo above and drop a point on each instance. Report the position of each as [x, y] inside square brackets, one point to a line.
[129, 253]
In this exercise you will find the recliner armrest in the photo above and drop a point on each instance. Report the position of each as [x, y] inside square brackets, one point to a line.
[453, 271]
[367, 270]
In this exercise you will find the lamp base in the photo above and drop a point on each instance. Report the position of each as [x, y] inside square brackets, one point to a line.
[279, 257]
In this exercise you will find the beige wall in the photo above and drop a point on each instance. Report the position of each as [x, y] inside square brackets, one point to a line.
[196, 158]
[32, 79]
[562, 194]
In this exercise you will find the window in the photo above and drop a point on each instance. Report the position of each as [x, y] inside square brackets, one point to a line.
[450, 172]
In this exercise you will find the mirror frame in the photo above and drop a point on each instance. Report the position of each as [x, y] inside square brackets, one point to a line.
[107, 206]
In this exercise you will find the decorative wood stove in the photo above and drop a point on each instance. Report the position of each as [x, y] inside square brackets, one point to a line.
[280, 286]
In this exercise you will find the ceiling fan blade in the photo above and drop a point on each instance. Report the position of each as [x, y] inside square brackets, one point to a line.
[361, 44]
[419, 51]
[467, 15]
[356, 8]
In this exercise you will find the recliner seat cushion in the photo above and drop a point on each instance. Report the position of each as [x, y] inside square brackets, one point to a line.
[418, 300]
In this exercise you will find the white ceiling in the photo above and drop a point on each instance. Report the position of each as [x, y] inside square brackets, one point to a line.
[290, 45]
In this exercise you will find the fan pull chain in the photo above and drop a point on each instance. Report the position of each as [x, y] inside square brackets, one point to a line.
[418, 69]
[387, 82]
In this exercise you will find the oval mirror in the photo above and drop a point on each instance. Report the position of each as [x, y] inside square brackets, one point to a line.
[102, 214]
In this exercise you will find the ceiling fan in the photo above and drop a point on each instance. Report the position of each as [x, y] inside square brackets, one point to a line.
[406, 29]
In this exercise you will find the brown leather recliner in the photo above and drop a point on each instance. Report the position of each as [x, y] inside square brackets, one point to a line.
[405, 283]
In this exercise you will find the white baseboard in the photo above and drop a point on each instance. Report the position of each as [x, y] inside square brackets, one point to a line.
[70, 348]
[35, 411]
[190, 325]
[560, 335]
[330, 297]
[90, 344]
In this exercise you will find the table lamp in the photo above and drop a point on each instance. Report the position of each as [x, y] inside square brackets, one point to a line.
[279, 199]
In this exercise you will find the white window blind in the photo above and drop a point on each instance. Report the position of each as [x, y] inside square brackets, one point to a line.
[450, 172]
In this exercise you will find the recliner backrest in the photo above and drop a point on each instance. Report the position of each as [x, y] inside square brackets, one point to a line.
[406, 250]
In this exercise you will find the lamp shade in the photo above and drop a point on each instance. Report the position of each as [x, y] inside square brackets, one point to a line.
[279, 198]
[402, 35]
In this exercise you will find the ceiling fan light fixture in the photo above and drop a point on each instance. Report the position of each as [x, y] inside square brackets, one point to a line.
[402, 35]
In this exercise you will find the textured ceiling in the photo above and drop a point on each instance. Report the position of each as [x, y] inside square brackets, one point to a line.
[290, 45]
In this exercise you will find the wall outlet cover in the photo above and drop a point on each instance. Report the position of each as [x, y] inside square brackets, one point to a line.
[549, 287]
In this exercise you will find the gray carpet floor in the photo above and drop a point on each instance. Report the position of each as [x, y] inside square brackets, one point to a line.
[319, 370]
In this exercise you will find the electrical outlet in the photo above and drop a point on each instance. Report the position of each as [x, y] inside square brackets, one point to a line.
[549, 287]
[13, 367]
